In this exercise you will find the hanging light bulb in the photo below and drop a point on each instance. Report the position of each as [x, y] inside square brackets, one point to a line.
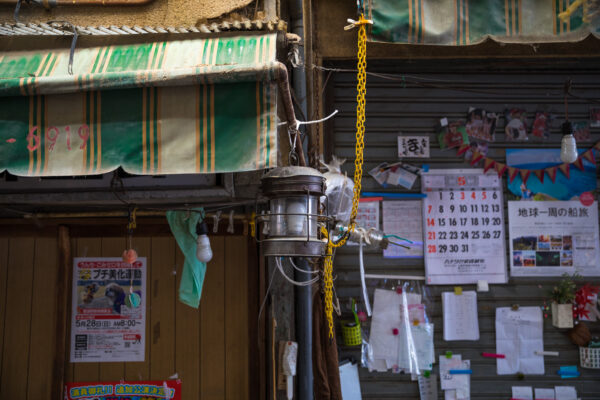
[568, 146]
[203, 251]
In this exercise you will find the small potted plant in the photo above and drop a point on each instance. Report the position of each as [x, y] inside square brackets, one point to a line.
[563, 296]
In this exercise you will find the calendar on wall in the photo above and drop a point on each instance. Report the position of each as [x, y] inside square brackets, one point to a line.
[463, 225]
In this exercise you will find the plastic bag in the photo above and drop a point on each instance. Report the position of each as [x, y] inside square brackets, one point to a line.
[401, 333]
[339, 191]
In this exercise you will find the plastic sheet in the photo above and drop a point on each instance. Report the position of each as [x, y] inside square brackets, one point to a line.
[340, 191]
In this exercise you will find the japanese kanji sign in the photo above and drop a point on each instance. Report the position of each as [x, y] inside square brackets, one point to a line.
[124, 390]
[413, 147]
[106, 324]
[549, 238]
[464, 227]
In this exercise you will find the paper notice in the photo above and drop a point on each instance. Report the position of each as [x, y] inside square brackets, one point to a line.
[565, 393]
[522, 392]
[519, 334]
[460, 316]
[428, 387]
[544, 394]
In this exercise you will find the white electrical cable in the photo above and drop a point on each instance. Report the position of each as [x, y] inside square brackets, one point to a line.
[362, 277]
[300, 269]
[293, 282]
[316, 121]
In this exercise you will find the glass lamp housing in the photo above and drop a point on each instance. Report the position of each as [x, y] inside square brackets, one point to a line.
[293, 219]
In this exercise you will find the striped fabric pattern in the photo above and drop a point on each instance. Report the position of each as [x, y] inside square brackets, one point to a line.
[465, 22]
[208, 126]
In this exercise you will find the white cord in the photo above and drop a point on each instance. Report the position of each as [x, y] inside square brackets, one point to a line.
[300, 269]
[293, 282]
[266, 294]
[316, 121]
[362, 277]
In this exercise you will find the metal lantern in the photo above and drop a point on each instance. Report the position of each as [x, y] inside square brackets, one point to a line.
[293, 218]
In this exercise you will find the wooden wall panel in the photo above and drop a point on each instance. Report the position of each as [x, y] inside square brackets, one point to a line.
[187, 340]
[212, 326]
[236, 318]
[207, 347]
[3, 281]
[43, 313]
[17, 329]
[162, 330]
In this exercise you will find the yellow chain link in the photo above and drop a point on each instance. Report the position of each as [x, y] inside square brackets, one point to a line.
[361, 89]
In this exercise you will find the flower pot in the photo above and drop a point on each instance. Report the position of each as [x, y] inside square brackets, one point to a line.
[562, 315]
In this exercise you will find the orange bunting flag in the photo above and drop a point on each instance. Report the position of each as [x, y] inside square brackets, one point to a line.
[525, 175]
[564, 168]
[500, 169]
[540, 174]
[512, 173]
[552, 173]
[488, 164]
[589, 155]
[579, 163]
[476, 157]
[463, 149]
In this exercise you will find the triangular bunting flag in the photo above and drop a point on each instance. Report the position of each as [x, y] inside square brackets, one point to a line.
[552, 173]
[579, 163]
[540, 174]
[589, 155]
[597, 146]
[525, 175]
[477, 156]
[564, 168]
[512, 173]
[488, 164]
[463, 149]
[500, 169]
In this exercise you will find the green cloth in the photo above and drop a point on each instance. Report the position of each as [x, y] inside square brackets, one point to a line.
[183, 226]
[464, 22]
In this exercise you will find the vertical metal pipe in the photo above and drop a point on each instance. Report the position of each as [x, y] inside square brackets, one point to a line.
[303, 295]
[303, 313]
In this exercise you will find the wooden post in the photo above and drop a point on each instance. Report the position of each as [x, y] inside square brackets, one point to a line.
[62, 289]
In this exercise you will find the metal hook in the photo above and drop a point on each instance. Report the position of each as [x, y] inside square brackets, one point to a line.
[230, 228]
[216, 218]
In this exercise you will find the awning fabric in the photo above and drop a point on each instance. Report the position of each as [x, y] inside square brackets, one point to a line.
[464, 22]
[185, 106]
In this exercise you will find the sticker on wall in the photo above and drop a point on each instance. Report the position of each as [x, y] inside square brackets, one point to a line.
[124, 390]
[516, 125]
[541, 125]
[451, 135]
[481, 124]
[413, 146]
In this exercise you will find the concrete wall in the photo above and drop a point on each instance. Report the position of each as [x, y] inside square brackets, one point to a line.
[159, 12]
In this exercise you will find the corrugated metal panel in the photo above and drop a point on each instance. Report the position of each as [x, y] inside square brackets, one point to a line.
[395, 106]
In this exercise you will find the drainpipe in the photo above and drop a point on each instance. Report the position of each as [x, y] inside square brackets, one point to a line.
[303, 295]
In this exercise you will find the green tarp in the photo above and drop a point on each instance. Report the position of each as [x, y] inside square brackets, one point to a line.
[186, 106]
[464, 22]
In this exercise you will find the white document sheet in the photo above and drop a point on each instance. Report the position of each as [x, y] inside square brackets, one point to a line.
[350, 382]
[386, 317]
[519, 334]
[428, 387]
[460, 316]
[415, 351]
[565, 393]
[522, 392]
[544, 394]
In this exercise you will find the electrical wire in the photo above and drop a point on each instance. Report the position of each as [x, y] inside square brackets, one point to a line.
[262, 306]
[302, 270]
[293, 282]
[397, 237]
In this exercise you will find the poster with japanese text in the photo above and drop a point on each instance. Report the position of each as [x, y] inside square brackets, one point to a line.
[106, 326]
[464, 227]
[550, 238]
[403, 219]
[413, 146]
[124, 390]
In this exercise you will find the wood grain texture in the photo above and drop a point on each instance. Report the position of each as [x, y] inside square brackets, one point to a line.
[17, 328]
[85, 372]
[236, 318]
[212, 327]
[112, 371]
[69, 367]
[187, 340]
[162, 346]
[43, 315]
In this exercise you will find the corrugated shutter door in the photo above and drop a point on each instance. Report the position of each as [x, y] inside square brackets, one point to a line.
[448, 89]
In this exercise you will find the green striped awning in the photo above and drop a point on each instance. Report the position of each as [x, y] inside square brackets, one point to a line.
[185, 106]
[464, 22]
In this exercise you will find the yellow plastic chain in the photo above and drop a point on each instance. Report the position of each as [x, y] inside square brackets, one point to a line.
[361, 89]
